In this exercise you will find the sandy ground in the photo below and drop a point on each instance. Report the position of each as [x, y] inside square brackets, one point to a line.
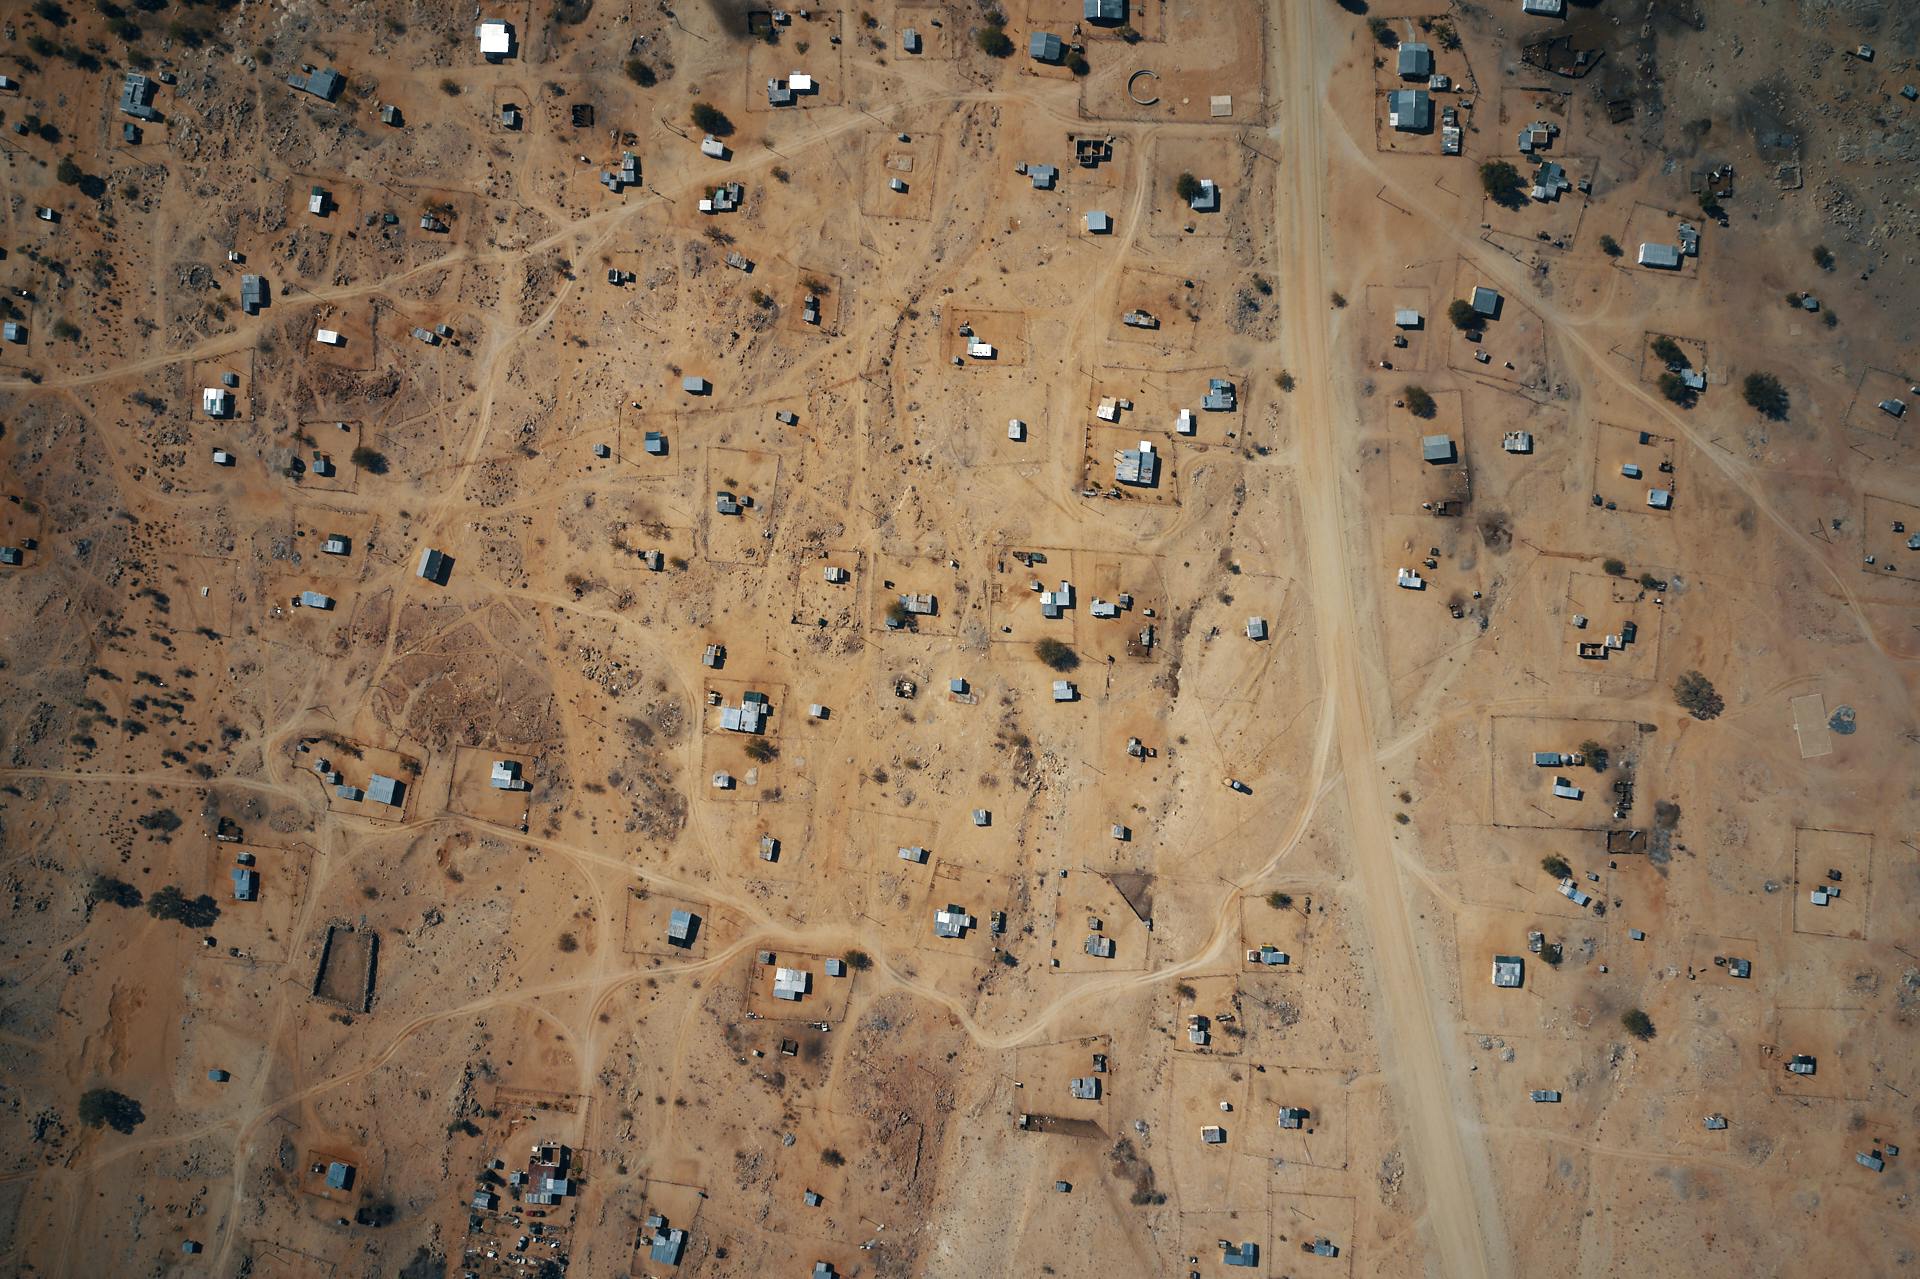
[437, 991]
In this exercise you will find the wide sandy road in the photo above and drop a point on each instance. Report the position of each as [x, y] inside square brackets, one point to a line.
[1444, 1147]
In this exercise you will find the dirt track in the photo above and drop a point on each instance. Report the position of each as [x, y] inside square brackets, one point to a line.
[1444, 1147]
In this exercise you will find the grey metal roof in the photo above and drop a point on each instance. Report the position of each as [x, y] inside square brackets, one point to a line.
[1412, 110]
[1044, 46]
[323, 82]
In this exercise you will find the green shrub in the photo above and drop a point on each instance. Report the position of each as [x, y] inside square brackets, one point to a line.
[712, 120]
[1503, 184]
[105, 1108]
[1696, 695]
[1056, 654]
[994, 41]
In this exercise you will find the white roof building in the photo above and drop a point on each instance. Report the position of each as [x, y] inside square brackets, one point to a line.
[329, 337]
[496, 39]
[216, 401]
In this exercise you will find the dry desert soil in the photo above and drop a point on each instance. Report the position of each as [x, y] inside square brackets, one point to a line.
[1087, 638]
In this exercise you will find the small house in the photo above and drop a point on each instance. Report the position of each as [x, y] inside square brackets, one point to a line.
[1665, 257]
[1256, 628]
[136, 96]
[385, 790]
[1105, 12]
[506, 776]
[390, 116]
[1213, 1135]
[313, 599]
[216, 401]
[496, 39]
[1415, 61]
[14, 332]
[1660, 499]
[982, 817]
[1564, 789]
[1294, 1116]
[1545, 1094]
[1044, 46]
[1437, 450]
[951, 922]
[329, 337]
[1410, 110]
[323, 83]
[915, 854]
[1508, 971]
[681, 926]
[655, 444]
[1084, 1088]
[1207, 198]
[1220, 396]
[1098, 223]
[695, 385]
[910, 40]
[1245, 1254]
[1064, 691]
[667, 1246]
[1544, 8]
[253, 294]
[713, 147]
[1043, 176]
[433, 565]
[1411, 581]
[1139, 467]
[791, 983]
[1406, 319]
[1485, 302]
[339, 1175]
[246, 883]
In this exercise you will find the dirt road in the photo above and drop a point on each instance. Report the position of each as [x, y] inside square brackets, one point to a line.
[1443, 1144]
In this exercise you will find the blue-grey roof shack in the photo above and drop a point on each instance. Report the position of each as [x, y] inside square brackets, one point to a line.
[136, 97]
[323, 82]
[1410, 110]
[1044, 46]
